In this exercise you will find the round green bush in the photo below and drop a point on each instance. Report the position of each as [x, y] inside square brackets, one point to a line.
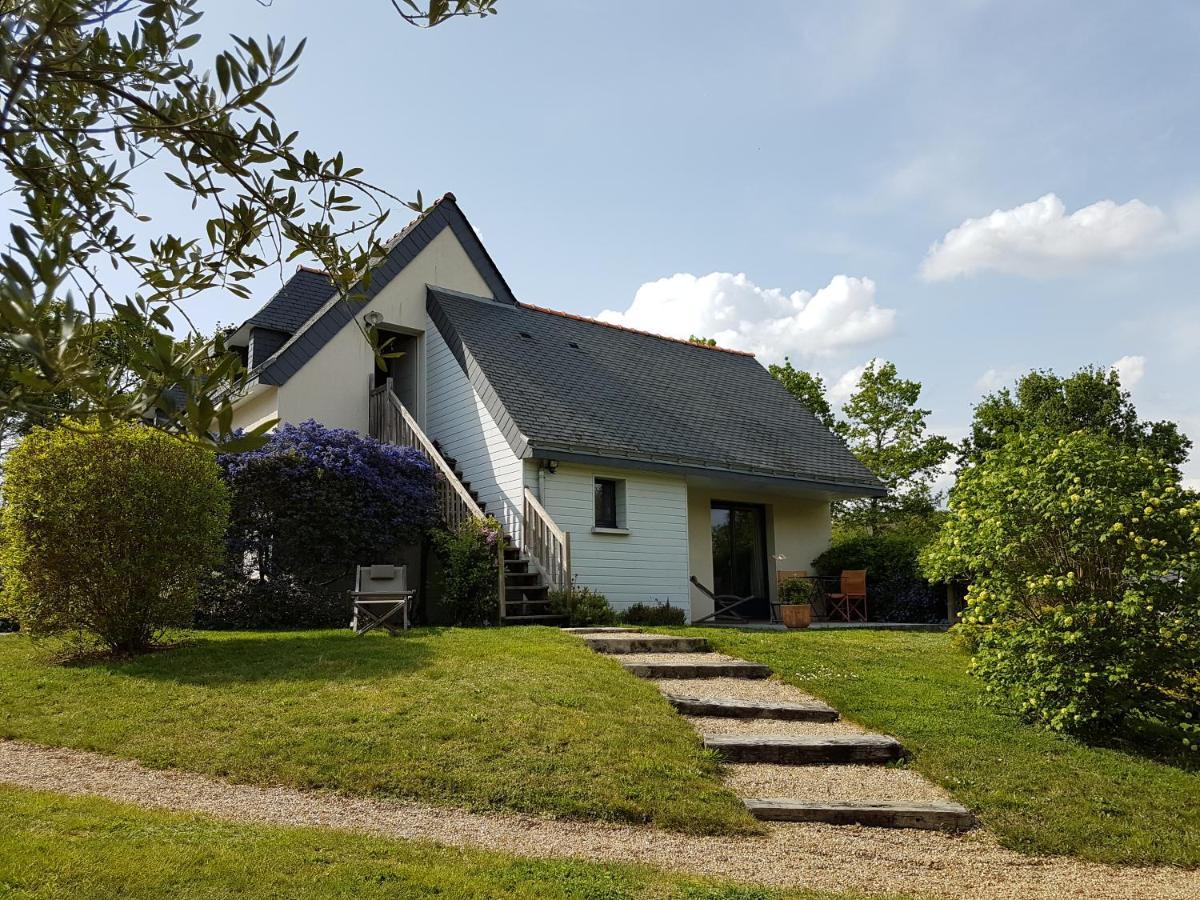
[581, 606]
[1084, 561]
[109, 532]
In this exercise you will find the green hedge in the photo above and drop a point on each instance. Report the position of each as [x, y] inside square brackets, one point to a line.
[896, 590]
[108, 532]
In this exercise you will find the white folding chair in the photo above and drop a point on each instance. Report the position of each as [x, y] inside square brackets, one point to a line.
[380, 595]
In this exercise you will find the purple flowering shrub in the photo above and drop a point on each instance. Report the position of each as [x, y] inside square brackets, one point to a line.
[314, 502]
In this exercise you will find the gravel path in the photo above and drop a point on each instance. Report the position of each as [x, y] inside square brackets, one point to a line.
[814, 856]
[817, 783]
[734, 689]
[780, 727]
[651, 658]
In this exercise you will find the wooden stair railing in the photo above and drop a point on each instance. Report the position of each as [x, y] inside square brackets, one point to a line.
[389, 421]
[548, 546]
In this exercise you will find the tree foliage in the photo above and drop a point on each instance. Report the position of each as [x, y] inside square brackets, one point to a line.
[807, 387]
[108, 532]
[886, 429]
[1090, 399]
[1084, 555]
[314, 502]
[97, 95]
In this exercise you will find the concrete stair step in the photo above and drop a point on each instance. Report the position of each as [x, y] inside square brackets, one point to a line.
[805, 750]
[753, 709]
[703, 669]
[646, 643]
[873, 813]
[601, 629]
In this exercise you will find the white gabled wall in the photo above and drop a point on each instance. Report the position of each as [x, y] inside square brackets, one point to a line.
[457, 419]
[332, 386]
[648, 565]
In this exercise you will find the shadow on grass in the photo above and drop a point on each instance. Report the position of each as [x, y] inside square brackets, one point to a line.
[318, 656]
[1149, 740]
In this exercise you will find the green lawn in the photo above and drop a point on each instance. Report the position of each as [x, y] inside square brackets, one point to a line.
[59, 847]
[525, 719]
[1038, 791]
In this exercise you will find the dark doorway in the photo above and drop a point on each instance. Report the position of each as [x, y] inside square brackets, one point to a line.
[401, 369]
[739, 544]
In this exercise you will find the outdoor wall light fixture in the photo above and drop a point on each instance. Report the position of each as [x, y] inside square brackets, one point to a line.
[552, 466]
[374, 318]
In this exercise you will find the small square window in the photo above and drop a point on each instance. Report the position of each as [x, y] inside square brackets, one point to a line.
[609, 502]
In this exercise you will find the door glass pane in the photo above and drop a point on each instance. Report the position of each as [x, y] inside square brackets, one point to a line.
[739, 556]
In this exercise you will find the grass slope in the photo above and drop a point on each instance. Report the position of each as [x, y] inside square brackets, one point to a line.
[59, 847]
[1038, 791]
[519, 718]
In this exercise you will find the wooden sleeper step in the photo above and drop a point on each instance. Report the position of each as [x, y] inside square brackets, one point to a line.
[873, 813]
[753, 709]
[805, 750]
[705, 669]
[646, 643]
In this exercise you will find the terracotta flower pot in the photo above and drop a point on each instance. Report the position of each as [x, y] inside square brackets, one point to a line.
[796, 615]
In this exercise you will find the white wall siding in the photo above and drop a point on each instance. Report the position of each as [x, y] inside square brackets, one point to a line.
[650, 564]
[457, 419]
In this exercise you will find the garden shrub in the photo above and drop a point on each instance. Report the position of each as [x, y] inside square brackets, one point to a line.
[470, 576]
[582, 606]
[653, 614]
[794, 591]
[308, 507]
[1084, 605]
[108, 533]
[896, 588]
[230, 600]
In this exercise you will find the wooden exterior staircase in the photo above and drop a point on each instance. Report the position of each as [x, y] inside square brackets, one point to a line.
[526, 574]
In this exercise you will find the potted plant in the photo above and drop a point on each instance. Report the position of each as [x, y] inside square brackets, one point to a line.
[795, 602]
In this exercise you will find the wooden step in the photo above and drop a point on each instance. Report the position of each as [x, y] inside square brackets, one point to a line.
[753, 709]
[705, 669]
[805, 750]
[873, 813]
[646, 643]
[601, 629]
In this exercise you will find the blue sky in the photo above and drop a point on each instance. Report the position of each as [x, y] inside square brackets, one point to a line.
[818, 149]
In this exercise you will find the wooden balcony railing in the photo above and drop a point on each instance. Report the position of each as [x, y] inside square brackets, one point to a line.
[548, 546]
[390, 422]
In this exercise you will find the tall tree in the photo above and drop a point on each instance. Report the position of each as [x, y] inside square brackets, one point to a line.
[1089, 400]
[95, 97]
[886, 429]
[807, 387]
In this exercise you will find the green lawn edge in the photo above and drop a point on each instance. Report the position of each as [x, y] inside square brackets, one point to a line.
[53, 846]
[520, 719]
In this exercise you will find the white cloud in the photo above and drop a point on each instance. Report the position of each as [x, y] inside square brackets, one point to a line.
[1130, 369]
[841, 388]
[1040, 238]
[769, 322]
[994, 379]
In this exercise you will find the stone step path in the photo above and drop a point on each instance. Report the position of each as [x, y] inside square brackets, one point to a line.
[872, 813]
[632, 642]
[790, 756]
[805, 750]
[753, 709]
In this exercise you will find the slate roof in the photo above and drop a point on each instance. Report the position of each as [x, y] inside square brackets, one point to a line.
[558, 383]
[328, 316]
[295, 302]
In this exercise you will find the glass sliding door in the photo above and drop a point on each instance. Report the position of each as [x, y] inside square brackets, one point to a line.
[739, 545]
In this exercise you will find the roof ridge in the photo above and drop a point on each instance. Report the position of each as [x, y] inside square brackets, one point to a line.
[626, 328]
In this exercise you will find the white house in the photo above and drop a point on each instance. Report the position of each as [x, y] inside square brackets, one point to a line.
[655, 459]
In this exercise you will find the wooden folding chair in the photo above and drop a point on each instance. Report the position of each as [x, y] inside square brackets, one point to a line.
[380, 595]
[850, 603]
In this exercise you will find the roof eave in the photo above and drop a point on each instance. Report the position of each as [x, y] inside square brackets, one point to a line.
[699, 467]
